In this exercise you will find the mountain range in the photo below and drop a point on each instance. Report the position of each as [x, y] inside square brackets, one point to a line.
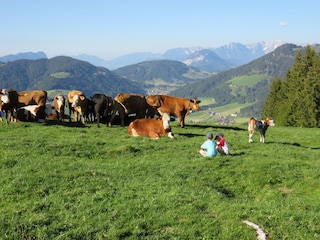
[204, 58]
[248, 83]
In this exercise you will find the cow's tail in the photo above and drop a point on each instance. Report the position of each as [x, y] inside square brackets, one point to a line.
[124, 107]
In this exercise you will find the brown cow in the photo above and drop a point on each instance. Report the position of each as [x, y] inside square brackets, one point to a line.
[78, 104]
[59, 102]
[34, 97]
[8, 103]
[260, 125]
[179, 107]
[151, 127]
[125, 104]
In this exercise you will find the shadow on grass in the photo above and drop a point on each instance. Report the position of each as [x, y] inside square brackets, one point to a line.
[292, 144]
[65, 124]
[200, 126]
[236, 154]
[189, 135]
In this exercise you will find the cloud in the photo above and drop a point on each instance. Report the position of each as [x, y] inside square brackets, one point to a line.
[283, 24]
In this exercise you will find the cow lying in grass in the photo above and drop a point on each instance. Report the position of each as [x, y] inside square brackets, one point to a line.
[151, 127]
[260, 125]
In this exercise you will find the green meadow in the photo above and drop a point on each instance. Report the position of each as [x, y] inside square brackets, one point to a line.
[84, 182]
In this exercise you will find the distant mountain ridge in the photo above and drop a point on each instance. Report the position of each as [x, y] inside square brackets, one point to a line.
[205, 58]
[26, 55]
[235, 54]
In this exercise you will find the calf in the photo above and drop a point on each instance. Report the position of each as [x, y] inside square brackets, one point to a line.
[260, 125]
[59, 103]
[151, 127]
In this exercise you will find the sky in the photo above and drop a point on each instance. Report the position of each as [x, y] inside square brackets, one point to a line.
[112, 28]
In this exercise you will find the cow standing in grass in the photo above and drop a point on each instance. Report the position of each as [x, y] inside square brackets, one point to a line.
[59, 103]
[260, 125]
[78, 104]
[125, 104]
[179, 107]
[102, 106]
[8, 103]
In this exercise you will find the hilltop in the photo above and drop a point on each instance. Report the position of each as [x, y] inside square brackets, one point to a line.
[63, 73]
[161, 76]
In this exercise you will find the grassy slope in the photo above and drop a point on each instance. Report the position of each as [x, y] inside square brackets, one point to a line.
[204, 116]
[89, 183]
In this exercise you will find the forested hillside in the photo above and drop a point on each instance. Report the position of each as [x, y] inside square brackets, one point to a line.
[249, 83]
[63, 73]
[162, 75]
[295, 99]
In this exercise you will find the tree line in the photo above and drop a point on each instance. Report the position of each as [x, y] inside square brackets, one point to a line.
[295, 99]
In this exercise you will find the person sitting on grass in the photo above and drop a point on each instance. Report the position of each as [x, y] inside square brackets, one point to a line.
[208, 148]
[222, 145]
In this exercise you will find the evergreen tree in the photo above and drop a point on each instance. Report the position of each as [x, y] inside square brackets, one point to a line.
[296, 101]
[271, 106]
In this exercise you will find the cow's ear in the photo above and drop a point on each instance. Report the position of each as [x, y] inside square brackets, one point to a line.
[198, 101]
[82, 97]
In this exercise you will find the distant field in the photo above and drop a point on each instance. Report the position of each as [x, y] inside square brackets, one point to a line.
[249, 81]
[84, 182]
[204, 116]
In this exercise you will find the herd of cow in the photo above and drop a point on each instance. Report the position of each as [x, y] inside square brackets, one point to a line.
[32, 106]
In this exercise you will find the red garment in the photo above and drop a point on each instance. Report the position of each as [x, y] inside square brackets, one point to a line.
[220, 143]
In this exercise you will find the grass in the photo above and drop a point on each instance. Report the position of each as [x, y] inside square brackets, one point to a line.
[248, 81]
[204, 116]
[67, 182]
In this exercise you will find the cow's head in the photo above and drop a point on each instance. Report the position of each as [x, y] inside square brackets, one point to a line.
[77, 99]
[4, 94]
[60, 99]
[194, 105]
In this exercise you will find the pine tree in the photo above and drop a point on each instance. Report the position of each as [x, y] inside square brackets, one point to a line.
[271, 106]
[296, 100]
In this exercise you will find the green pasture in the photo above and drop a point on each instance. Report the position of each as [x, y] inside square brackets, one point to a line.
[248, 81]
[84, 182]
[205, 115]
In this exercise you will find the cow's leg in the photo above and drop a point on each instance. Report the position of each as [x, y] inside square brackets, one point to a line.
[182, 122]
[116, 108]
[97, 114]
[250, 136]
[70, 109]
[122, 115]
[154, 135]
[262, 136]
[82, 116]
[6, 113]
[75, 113]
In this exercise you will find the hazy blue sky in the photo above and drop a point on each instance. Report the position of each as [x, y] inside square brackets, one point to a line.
[111, 28]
